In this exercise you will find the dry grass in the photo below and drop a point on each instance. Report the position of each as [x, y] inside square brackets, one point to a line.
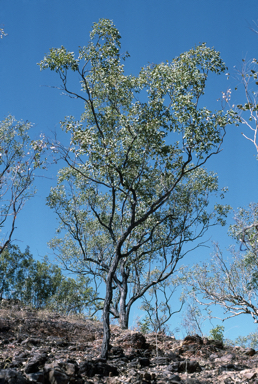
[45, 322]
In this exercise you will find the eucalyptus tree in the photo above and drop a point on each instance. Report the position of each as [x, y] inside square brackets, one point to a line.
[18, 161]
[41, 284]
[133, 190]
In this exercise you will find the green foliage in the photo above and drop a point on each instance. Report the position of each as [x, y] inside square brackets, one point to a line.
[134, 189]
[144, 325]
[2, 33]
[41, 281]
[41, 284]
[249, 341]
[60, 60]
[125, 165]
[72, 296]
[14, 145]
[13, 265]
[217, 333]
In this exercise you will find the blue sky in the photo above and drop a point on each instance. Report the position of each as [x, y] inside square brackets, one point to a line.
[152, 31]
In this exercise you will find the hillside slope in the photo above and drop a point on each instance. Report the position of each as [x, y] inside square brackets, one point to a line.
[45, 347]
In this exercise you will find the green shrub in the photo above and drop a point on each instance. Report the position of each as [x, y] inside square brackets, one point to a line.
[217, 333]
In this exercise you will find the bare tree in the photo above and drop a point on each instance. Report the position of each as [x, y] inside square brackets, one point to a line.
[192, 318]
[157, 303]
[228, 284]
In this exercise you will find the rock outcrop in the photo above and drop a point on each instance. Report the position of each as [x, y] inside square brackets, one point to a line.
[43, 347]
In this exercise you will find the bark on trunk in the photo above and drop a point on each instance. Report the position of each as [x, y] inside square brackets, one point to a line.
[123, 315]
[106, 324]
[123, 320]
[106, 309]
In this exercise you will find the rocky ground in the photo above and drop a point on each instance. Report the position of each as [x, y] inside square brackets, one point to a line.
[43, 347]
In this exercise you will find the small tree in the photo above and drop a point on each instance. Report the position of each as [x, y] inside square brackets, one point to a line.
[157, 303]
[231, 284]
[18, 162]
[134, 190]
[217, 333]
[192, 319]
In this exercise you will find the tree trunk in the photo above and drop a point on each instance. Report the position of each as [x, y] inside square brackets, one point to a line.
[123, 315]
[106, 309]
[123, 319]
[106, 325]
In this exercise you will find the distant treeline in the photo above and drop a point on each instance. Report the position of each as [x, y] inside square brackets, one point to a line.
[41, 284]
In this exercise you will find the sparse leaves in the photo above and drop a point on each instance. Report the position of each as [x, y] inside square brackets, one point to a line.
[18, 161]
[230, 283]
[248, 111]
